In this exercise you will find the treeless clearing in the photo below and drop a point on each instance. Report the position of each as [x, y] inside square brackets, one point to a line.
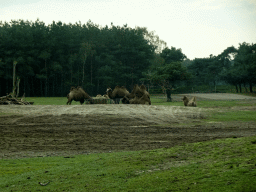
[50, 130]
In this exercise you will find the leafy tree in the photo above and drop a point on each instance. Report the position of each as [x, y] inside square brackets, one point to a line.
[168, 75]
[245, 62]
[172, 55]
[242, 71]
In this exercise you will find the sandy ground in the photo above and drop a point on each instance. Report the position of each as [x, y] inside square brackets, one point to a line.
[48, 130]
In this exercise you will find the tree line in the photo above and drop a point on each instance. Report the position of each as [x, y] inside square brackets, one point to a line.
[49, 59]
[234, 66]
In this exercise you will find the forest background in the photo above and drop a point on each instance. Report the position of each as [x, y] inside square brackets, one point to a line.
[48, 60]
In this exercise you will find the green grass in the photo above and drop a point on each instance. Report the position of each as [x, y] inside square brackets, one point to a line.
[155, 99]
[50, 101]
[233, 116]
[215, 104]
[220, 165]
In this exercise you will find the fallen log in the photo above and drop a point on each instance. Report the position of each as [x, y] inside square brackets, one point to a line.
[9, 100]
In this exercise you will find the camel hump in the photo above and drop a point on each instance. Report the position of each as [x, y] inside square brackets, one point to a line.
[135, 86]
[142, 87]
[72, 88]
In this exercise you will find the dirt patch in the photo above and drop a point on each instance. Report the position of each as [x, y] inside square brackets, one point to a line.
[68, 130]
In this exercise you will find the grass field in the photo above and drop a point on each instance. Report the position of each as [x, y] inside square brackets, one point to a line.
[219, 165]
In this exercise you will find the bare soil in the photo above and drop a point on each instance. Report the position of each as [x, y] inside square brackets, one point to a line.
[32, 131]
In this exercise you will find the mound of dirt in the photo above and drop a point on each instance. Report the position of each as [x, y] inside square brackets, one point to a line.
[38, 131]
[149, 113]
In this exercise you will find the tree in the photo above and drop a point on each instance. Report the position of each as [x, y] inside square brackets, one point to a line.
[172, 55]
[169, 75]
[245, 62]
[45, 55]
[242, 69]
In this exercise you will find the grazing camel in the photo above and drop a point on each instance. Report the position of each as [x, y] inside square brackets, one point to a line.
[117, 94]
[78, 94]
[190, 103]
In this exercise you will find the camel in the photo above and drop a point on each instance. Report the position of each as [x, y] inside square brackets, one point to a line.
[78, 94]
[142, 100]
[137, 100]
[125, 100]
[117, 94]
[100, 99]
[138, 91]
[190, 103]
[139, 95]
[106, 96]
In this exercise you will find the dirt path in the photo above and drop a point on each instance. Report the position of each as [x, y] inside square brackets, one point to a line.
[68, 130]
[219, 96]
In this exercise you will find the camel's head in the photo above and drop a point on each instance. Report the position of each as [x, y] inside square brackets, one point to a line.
[184, 98]
[108, 90]
[142, 87]
[72, 88]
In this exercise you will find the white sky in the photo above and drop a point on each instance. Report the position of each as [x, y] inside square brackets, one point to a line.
[198, 27]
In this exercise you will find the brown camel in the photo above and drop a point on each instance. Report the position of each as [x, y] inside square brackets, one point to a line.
[137, 100]
[117, 93]
[190, 103]
[78, 94]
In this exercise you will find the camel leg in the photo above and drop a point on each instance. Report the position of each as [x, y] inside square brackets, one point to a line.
[69, 102]
[117, 100]
[82, 101]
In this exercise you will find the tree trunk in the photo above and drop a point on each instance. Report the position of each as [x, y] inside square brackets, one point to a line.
[46, 80]
[250, 84]
[98, 86]
[14, 79]
[18, 86]
[236, 89]
[41, 86]
[83, 75]
[24, 88]
[71, 72]
[91, 77]
[32, 85]
[168, 93]
[245, 88]
[53, 84]
[61, 84]
[240, 87]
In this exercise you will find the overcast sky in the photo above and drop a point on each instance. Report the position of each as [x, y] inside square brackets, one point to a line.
[198, 27]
